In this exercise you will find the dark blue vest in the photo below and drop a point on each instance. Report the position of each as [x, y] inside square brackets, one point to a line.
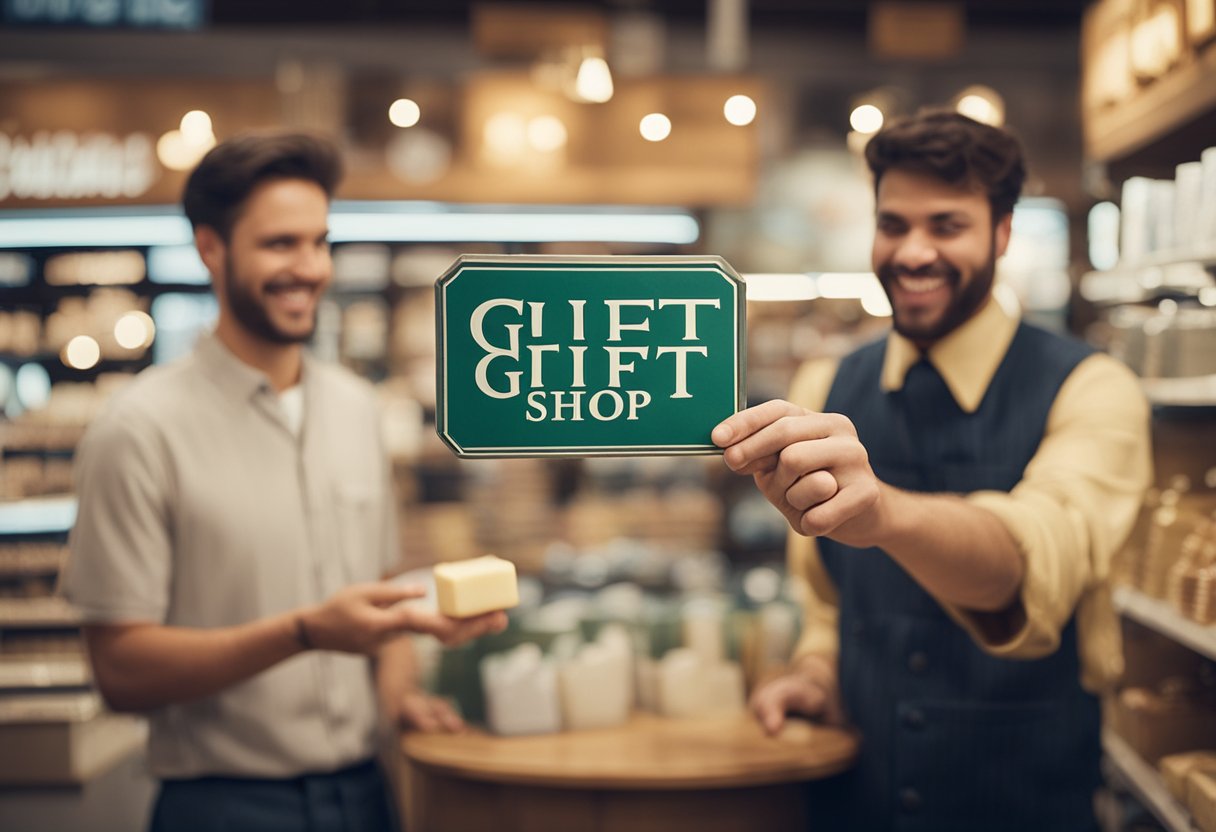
[954, 740]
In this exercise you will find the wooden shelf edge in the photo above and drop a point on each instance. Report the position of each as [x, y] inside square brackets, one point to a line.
[1146, 784]
[92, 749]
[1163, 618]
[1185, 93]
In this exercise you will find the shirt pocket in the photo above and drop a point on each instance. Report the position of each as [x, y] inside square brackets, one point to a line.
[360, 527]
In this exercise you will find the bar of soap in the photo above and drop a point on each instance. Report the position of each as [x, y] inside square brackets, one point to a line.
[475, 586]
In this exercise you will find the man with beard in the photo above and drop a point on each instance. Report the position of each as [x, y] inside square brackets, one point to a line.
[955, 507]
[235, 522]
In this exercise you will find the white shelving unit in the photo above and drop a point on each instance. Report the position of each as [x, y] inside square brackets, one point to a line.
[1141, 779]
[1146, 784]
[1163, 618]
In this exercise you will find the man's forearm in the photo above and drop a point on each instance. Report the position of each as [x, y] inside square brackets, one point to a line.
[141, 667]
[960, 553]
[396, 673]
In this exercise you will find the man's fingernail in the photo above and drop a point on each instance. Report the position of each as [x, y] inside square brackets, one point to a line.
[721, 435]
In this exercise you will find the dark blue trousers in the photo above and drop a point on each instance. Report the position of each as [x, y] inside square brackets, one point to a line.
[353, 799]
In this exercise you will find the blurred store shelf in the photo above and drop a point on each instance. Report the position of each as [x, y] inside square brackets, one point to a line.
[1146, 784]
[1163, 618]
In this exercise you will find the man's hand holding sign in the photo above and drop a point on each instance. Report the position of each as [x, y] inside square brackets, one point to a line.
[586, 356]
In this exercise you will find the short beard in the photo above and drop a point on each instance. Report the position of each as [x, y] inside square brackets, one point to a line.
[962, 305]
[252, 315]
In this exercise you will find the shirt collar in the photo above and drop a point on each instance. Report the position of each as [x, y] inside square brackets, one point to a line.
[966, 358]
[231, 373]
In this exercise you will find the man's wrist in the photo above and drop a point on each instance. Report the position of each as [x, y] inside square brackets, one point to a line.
[303, 636]
[820, 671]
[889, 511]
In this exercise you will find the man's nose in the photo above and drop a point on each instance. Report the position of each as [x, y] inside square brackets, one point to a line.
[313, 263]
[915, 251]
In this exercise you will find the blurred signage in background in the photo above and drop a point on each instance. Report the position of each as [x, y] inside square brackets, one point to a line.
[587, 356]
[66, 165]
[108, 14]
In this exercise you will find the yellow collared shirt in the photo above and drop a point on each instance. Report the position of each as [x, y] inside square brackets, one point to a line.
[1070, 513]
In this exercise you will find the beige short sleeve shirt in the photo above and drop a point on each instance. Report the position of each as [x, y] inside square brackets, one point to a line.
[199, 507]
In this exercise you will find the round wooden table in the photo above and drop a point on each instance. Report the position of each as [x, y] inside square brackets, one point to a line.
[652, 773]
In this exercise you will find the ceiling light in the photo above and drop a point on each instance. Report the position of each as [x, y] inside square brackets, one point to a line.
[780, 287]
[404, 112]
[398, 224]
[196, 127]
[506, 137]
[353, 221]
[546, 133]
[594, 80]
[848, 284]
[739, 110]
[876, 303]
[81, 353]
[655, 127]
[134, 330]
[983, 104]
[175, 152]
[866, 119]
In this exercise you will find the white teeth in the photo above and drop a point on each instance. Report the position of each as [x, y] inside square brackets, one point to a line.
[918, 285]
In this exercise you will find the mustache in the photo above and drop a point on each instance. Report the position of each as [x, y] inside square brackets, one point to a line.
[936, 269]
[288, 285]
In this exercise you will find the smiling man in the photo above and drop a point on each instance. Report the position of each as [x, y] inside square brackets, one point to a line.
[235, 520]
[956, 492]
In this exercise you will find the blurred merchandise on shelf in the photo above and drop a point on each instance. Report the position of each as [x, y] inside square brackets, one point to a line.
[1201, 798]
[1176, 770]
[604, 632]
[1176, 716]
[1171, 553]
[54, 728]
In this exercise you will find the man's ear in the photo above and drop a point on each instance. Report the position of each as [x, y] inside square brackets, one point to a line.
[211, 249]
[1001, 234]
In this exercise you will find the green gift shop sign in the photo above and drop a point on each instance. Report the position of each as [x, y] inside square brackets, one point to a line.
[587, 356]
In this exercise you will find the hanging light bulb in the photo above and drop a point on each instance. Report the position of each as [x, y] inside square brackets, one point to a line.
[740, 110]
[655, 127]
[594, 80]
[866, 119]
[404, 112]
[983, 104]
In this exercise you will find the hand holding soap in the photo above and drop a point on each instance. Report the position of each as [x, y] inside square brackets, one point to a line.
[479, 585]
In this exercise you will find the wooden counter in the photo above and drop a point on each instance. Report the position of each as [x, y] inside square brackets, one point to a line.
[650, 774]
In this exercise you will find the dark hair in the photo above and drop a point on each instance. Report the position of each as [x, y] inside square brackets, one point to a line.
[218, 187]
[955, 149]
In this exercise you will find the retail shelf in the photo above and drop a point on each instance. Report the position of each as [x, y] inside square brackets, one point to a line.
[1191, 391]
[38, 515]
[1163, 618]
[66, 748]
[1166, 105]
[26, 560]
[1147, 785]
[56, 673]
[1167, 271]
[37, 613]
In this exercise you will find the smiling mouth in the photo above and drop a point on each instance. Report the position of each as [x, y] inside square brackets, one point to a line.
[297, 296]
[920, 285]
